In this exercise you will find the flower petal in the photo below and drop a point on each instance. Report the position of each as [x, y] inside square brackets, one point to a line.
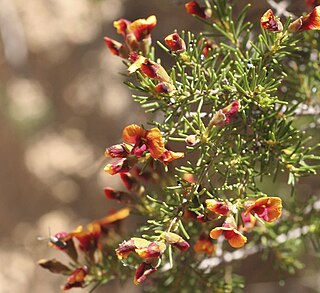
[142, 27]
[235, 238]
[270, 22]
[133, 134]
[142, 272]
[194, 8]
[175, 42]
[155, 143]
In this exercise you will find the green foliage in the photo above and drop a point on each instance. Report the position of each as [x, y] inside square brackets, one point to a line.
[235, 107]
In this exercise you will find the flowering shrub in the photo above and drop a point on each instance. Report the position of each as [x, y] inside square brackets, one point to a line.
[199, 177]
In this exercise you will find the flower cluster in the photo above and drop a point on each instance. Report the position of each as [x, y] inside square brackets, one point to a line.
[304, 23]
[138, 143]
[136, 34]
[150, 251]
[210, 100]
[81, 244]
[267, 208]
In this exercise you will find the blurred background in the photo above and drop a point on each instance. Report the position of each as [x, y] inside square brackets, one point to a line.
[62, 102]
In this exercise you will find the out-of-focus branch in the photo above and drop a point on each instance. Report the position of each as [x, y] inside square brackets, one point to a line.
[281, 7]
[12, 34]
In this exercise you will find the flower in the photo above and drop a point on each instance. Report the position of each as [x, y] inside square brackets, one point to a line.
[152, 70]
[218, 207]
[194, 8]
[175, 43]
[207, 48]
[143, 140]
[224, 116]
[270, 22]
[249, 221]
[149, 68]
[142, 247]
[143, 271]
[64, 242]
[233, 236]
[138, 141]
[116, 48]
[88, 239]
[267, 208]
[308, 22]
[175, 240]
[122, 165]
[141, 28]
[117, 151]
[76, 279]
[230, 232]
[192, 140]
[164, 87]
[169, 156]
[204, 245]
[121, 26]
[137, 36]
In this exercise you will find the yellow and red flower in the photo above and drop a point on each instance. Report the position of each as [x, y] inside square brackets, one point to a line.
[230, 232]
[64, 242]
[121, 26]
[218, 207]
[308, 22]
[118, 151]
[138, 141]
[137, 33]
[76, 279]
[175, 43]
[88, 239]
[164, 87]
[232, 235]
[267, 208]
[143, 271]
[148, 67]
[137, 36]
[249, 221]
[175, 240]
[119, 166]
[194, 8]
[224, 116]
[169, 156]
[270, 22]
[144, 140]
[143, 248]
[116, 48]
[152, 70]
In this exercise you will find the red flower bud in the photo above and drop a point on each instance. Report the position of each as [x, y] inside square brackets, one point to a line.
[194, 8]
[175, 43]
[270, 22]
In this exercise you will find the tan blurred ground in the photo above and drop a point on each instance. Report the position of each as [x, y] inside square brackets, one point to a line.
[62, 102]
